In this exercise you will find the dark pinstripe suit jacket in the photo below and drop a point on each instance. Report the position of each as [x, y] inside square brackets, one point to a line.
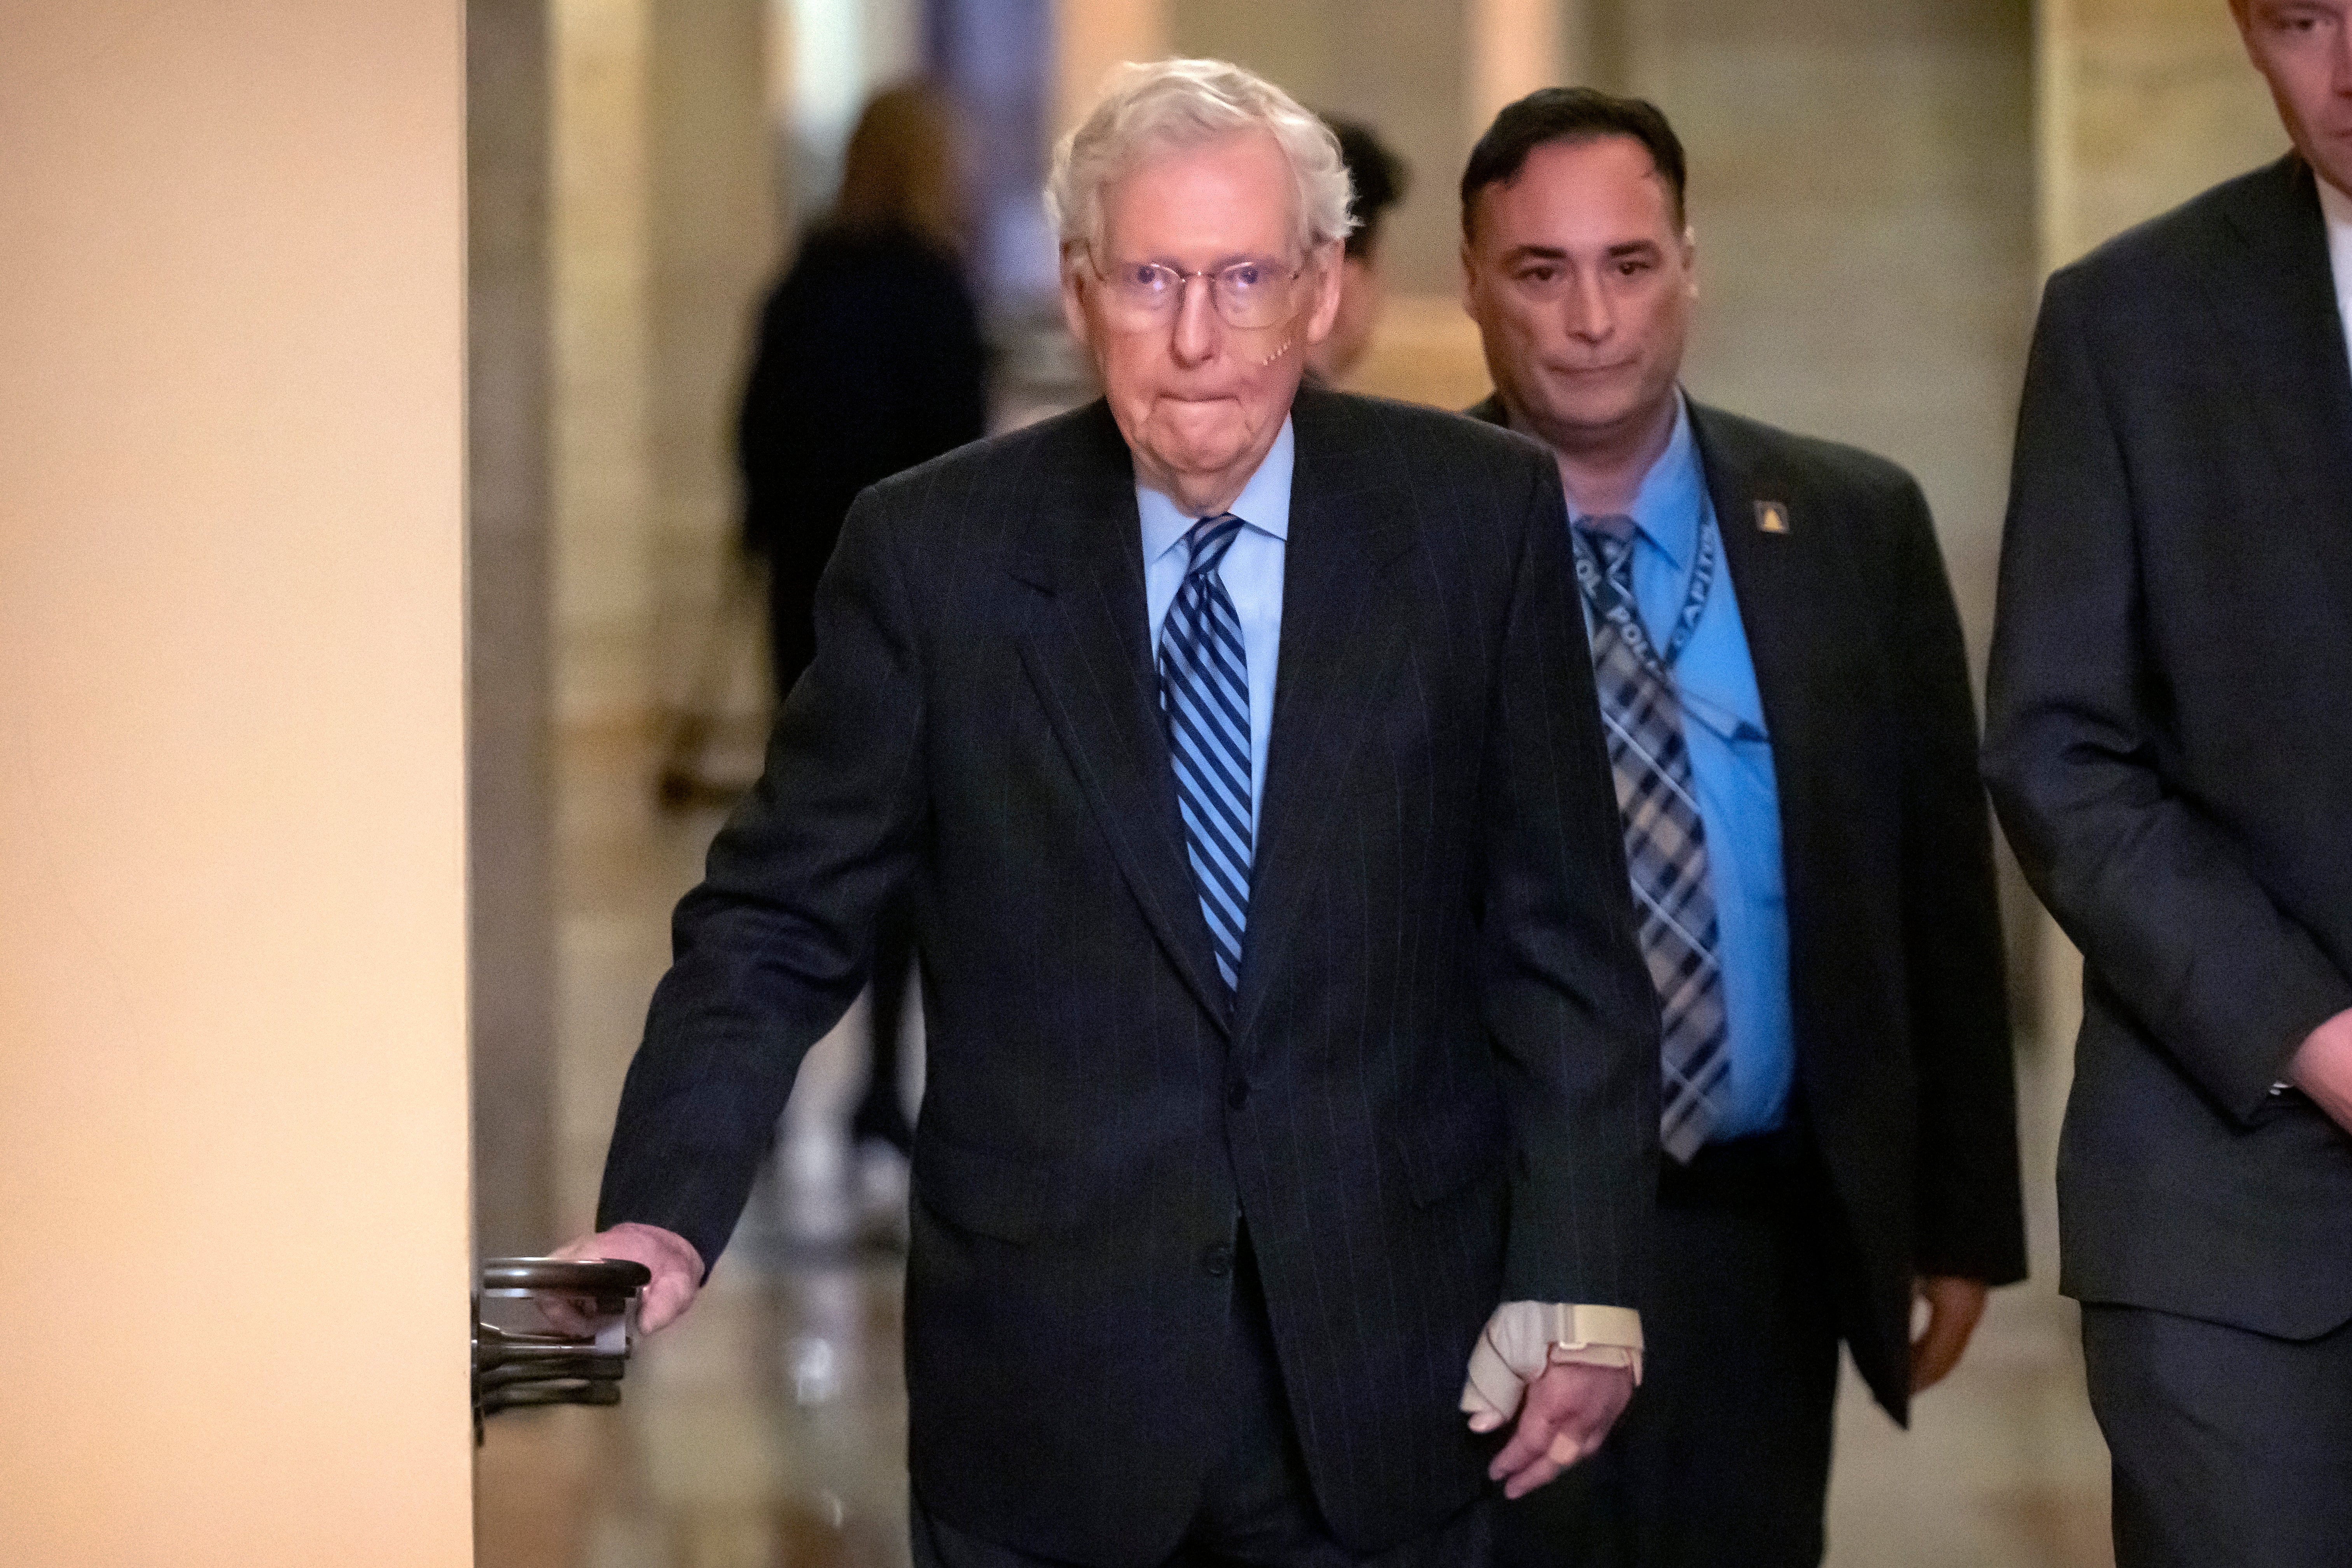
[1434, 1088]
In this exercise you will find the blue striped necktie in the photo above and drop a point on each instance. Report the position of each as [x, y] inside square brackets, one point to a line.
[1204, 702]
[1665, 841]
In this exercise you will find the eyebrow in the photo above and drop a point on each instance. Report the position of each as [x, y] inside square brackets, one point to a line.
[1238, 258]
[1554, 253]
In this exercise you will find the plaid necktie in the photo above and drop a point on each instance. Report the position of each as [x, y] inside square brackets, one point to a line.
[1204, 702]
[1665, 841]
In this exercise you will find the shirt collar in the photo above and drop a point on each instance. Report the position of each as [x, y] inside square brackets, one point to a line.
[2336, 208]
[1673, 492]
[1263, 503]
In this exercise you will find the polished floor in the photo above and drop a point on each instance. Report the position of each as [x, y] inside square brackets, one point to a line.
[767, 1430]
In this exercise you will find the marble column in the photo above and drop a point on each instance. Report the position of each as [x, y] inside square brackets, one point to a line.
[663, 232]
[600, 400]
[713, 243]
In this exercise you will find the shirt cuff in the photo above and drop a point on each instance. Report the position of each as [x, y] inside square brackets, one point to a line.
[1525, 1337]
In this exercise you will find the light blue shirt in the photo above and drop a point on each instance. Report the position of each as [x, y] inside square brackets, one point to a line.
[1252, 573]
[1731, 771]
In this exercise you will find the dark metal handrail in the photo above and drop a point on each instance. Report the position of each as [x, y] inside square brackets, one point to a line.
[516, 1368]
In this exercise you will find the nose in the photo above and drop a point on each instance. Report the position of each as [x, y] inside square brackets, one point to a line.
[1199, 331]
[1585, 306]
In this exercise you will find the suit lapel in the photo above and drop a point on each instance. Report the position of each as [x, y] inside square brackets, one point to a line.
[2272, 290]
[1085, 645]
[1347, 527]
[1787, 601]
[1767, 573]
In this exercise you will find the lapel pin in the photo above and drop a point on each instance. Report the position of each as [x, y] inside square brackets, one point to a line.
[1772, 516]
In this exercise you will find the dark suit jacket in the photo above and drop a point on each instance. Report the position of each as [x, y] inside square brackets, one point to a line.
[2171, 745]
[1905, 1076]
[1435, 1088]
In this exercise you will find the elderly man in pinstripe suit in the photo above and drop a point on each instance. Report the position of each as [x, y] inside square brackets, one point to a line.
[1288, 1038]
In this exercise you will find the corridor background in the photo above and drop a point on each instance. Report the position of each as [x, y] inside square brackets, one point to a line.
[1879, 187]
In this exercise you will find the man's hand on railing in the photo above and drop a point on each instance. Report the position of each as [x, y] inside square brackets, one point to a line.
[676, 1269]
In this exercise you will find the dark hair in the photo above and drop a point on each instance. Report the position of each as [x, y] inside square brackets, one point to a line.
[1377, 179]
[1569, 114]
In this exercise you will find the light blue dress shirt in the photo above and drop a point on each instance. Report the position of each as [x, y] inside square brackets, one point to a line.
[1731, 771]
[1252, 573]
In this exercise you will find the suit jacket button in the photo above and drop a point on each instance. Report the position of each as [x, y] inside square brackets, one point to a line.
[1237, 1094]
[1217, 1260]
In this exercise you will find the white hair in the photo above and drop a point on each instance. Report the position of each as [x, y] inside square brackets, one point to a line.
[1170, 105]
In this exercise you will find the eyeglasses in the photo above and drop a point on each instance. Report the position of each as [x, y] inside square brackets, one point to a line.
[1249, 295]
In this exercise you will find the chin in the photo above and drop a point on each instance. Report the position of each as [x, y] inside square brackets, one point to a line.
[1593, 413]
[1203, 445]
[1201, 457]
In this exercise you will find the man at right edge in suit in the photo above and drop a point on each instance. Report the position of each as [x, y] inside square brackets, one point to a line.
[2169, 746]
[1791, 727]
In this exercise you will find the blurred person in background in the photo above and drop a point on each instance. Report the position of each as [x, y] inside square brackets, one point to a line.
[1787, 697]
[1377, 179]
[869, 362]
[2169, 746]
[1283, 1051]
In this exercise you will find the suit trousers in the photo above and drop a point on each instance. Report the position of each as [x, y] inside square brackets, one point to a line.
[2229, 1446]
[1722, 1460]
[1257, 1507]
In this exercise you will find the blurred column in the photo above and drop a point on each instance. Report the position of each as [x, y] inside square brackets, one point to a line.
[1517, 47]
[714, 237]
[663, 231]
[509, 782]
[998, 58]
[665, 228]
[2143, 103]
[599, 270]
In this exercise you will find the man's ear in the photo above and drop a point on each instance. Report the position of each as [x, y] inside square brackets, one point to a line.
[1074, 304]
[1325, 261]
[1690, 257]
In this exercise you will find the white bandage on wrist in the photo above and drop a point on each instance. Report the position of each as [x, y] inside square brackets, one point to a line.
[1524, 1337]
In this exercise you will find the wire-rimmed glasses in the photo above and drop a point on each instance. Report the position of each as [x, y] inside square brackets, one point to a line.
[1250, 294]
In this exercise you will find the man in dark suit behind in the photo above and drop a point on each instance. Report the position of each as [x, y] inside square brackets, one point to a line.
[1282, 1033]
[2170, 746]
[1781, 672]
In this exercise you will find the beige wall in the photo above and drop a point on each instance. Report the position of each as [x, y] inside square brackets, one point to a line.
[232, 960]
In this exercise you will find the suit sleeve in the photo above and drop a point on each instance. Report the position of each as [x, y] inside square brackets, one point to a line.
[2147, 884]
[1569, 1002]
[771, 948]
[1970, 1213]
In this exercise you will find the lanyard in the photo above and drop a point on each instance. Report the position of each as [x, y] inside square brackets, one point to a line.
[1617, 609]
